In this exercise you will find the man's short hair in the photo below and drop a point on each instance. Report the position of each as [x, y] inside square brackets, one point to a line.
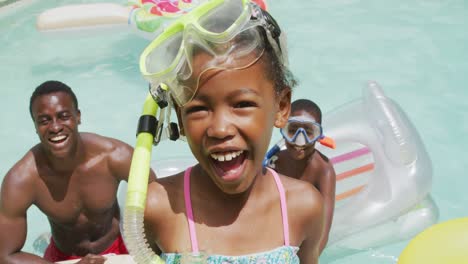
[49, 87]
[308, 106]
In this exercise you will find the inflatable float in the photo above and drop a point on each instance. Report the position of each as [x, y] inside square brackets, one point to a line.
[384, 175]
[445, 243]
[145, 17]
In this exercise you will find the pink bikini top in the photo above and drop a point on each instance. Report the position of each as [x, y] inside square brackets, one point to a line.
[189, 210]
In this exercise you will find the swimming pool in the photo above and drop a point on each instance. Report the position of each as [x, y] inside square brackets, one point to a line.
[416, 50]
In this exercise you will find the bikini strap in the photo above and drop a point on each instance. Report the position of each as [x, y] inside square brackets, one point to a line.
[189, 210]
[284, 206]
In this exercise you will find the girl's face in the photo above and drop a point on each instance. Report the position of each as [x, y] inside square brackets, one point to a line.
[301, 152]
[229, 123]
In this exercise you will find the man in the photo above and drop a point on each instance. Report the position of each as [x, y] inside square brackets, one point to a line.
[72, 178]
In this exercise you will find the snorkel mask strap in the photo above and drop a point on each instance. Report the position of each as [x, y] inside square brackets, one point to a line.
[172, 128]
[275, 36]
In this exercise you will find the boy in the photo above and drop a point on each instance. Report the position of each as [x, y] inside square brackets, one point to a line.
[302, 161]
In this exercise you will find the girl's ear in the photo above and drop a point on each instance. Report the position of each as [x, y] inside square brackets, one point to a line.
[284, 108]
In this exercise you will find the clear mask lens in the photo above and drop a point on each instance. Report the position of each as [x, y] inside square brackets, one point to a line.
[225, 36]
[162, 58]
[302, 132]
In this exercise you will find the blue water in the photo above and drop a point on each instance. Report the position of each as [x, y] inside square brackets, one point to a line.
[416, 50]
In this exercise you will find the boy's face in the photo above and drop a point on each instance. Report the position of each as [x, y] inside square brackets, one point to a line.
[229, 123]
[56, 120]
[304, 151]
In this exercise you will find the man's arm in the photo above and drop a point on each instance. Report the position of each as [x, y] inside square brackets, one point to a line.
[16, 196]
[327, 185]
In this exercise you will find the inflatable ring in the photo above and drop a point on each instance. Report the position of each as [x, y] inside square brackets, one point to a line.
[445, 243]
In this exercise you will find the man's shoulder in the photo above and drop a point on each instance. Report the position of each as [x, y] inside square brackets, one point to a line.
[27, 165]
[23, 173]
[102, 143]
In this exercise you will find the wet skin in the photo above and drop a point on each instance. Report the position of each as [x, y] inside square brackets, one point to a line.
[71, 177]
[228, 126]
[308, 164]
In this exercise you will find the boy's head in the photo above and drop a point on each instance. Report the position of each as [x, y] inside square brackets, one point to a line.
[303, 129]
[307, 106]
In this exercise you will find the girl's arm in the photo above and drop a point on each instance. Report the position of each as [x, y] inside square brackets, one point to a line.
[311, 224]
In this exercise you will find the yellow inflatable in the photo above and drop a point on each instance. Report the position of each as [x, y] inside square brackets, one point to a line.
[446, 243]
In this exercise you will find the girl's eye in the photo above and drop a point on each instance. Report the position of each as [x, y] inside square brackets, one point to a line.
[195, 109]
[245, 104]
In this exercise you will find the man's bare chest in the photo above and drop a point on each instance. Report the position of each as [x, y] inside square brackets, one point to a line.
[83, 195]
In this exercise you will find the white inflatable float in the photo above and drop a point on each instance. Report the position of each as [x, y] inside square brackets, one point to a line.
[383, 176]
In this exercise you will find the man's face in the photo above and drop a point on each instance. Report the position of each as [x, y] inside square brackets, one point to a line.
[56, 120]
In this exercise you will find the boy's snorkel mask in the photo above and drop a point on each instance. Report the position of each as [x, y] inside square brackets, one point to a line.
[302, 131]
[218, 34]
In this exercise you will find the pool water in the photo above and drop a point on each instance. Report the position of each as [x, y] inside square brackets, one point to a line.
[416, 50]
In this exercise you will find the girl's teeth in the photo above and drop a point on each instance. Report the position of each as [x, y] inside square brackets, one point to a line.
[226, 156]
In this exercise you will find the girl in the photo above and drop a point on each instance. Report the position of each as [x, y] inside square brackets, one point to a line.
[225, 66]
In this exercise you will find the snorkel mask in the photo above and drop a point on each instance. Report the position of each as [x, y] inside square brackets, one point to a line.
[218, 34]
[302, 131]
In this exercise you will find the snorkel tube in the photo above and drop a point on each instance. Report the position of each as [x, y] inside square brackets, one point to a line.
[133, 227]
[275, 149]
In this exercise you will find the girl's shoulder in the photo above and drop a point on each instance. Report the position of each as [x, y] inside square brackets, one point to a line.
[165, 194]
[301, 196]
[305, 210]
